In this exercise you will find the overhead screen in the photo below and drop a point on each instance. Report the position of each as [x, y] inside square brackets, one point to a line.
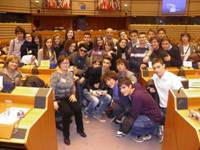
[174, 6]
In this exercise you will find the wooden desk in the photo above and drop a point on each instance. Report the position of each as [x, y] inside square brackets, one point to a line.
[181, 131]
[36, 131]
[44, 73]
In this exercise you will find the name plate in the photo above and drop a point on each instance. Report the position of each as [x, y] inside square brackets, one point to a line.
[187, 64]
[194, 83]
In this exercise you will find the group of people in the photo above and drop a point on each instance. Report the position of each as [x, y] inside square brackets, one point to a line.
[101, 77]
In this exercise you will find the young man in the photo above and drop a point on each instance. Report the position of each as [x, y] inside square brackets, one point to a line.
[163, 82]
[15, 44]
[144, 116]
[140, 53]
[133, 36]
[161, 33]
[87, 40]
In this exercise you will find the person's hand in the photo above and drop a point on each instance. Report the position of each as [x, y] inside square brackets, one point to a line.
[96, 85]
[167, 58]
[145, 59]
[55, 104]
[81, 80]
[151, 90]
[94, 93]
[72, 98]
[143, 66]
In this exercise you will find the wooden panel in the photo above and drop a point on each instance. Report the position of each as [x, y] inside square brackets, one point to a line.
[194, 8]
[145, 8]
[21, 6]
[76, 7]
[7, 29]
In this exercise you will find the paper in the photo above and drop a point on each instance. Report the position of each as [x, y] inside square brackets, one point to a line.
[187, 64]
[45, 63]
[1, 82]
[194, 83]
[10, 116]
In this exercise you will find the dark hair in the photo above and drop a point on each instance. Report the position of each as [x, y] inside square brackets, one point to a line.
[157, 60]
[110, 43]
[87, 33]
[151, 30]
[19, 29]
[109, 75]
[161, 29]
[125, 81]
[68, 44]
[141, 33]
[154, 38]
[66, 38]
[165, 39]
[107, 57]
[39, 37]
[122, 40]
[96, 60]
[95, 42]
[122, 61]
[185, 34]
[11, 58]
[133, 31]
[54, 36]
[84, 45]
[61, 59]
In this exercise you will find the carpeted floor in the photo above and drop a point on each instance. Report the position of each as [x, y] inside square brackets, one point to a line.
[101, 136]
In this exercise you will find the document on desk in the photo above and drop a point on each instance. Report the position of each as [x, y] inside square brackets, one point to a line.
[11, 115]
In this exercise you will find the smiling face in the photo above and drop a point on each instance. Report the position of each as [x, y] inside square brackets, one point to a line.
[64, 65]
[165, 45]
[122, 43]
[20, 35]
[142, 38]
[133, 37]
[110, 83]
[155, 44]
[13, 65]
[57, 40]
[28, 37]
[82, 51]
[126, 90]
[121, 67]
[159, 69]
[70, 34]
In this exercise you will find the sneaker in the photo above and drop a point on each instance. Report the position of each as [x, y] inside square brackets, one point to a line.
[139, 139]
[147, 137]
[120, 134]
[160, 133]
[99, 118]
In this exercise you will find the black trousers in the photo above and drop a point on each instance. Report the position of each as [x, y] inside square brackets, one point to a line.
[67, 109]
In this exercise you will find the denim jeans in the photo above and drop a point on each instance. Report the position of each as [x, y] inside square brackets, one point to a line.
[143, 125]
[97, 104]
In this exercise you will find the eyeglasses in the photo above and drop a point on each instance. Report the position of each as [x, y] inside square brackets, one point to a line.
[82, 50]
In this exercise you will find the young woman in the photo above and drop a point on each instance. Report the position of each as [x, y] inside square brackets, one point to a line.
[10, 73]
[97, 52]
[57, 44]
[62, 82]
[69, 35]
[69, 47]
[47, 52]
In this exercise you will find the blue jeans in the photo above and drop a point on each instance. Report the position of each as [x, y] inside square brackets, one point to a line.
[143, 125]
[97, 104]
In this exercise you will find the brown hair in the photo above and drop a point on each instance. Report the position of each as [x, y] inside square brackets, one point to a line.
[19, 29]
[68, 43]
[109, 75]
[39, 37]
[54, 37]
[122, 61]
[185, 34]
[157, 60]
[110, 43]
[66, 38]
[11, 58]
[125, 81]
[45, 49]
[61, 59]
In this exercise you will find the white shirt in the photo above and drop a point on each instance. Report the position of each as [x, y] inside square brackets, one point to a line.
[164, 84]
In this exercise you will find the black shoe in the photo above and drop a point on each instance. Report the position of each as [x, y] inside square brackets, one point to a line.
[67, 141]
[82, 133]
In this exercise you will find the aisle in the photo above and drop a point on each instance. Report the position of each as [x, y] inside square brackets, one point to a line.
[101, 136]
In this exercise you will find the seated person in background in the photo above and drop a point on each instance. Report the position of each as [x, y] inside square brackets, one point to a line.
[122, 68]
[97, 52]
[47, 52]
[139, 54]
[29, 50]
[161, 33]
[109, 36]
[173, 59]
[87, 40]
[70, 47]
[157, 52]
[110, 51]
[144, 116]
[150, 34]
[57, 44]
[15, 44]
[97, 97]
[188, 51]
[163, 81]
[123, 35]
[10, 71]
[37, 39]
[69, 35]
[62, 82]
[80, 60]
[133, 38]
